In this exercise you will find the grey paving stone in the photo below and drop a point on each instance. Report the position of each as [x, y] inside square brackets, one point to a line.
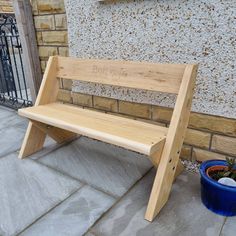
[10, 139]
[49, 146]
[11, 118]
[4, 111]
[184, 214]
[89, 234]
[27, 191]
[12, 129]
[74, 216]
[229, 228]
[112, 169]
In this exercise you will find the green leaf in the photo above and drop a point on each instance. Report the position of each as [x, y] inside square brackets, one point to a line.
[226, 174]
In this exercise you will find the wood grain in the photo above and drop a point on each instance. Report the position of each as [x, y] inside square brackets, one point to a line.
[171, 151]
[35, 137]
[138, 75]
[134, 135]
[33, 141]
[59, 135]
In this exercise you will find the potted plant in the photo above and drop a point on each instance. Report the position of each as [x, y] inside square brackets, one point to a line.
[218, 186]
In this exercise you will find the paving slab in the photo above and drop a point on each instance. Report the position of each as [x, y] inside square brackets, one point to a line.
[27, 191]
[74, 216]
[229, 228]
[89, 234]
[12, 129]
[109, 168]
[13, 121]
[5, 111]
[49, 146]
[184, 214]
[11, 118]
[10, 139]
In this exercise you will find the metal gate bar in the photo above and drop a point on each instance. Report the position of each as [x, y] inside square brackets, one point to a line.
[14, 91]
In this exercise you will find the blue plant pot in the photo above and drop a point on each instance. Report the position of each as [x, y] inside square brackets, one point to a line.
[217, 197]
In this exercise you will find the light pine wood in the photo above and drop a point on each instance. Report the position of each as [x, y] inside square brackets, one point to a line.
[171, 151]
[25, 25]
[139, 75]
[35, 137]
[179, 170]
[50, 84]
[162, 145]
[33, 141]
[156, 156]
[131, 134]
[59, 135]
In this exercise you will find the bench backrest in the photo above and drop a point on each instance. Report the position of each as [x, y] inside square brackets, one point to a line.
[138, 75]
[167, 78]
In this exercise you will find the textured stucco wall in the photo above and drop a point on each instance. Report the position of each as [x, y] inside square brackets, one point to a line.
[178, 31]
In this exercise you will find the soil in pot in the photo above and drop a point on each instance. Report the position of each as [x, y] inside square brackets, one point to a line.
[218, 172]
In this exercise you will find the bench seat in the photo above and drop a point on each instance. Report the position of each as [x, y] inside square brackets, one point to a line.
[134, 135]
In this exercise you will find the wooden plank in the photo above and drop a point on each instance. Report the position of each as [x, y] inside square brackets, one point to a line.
[25, 24]
[34, 137]
[139, 75]
[59, 135]
[155, 159]
[50, 84]
[156, 156]
[33, 141]
[131, 134]
[179, 169]
[171, 151]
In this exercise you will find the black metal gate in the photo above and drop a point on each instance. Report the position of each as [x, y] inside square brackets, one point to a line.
[14, 91]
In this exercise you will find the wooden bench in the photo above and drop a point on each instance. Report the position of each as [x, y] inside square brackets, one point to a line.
[63, 122]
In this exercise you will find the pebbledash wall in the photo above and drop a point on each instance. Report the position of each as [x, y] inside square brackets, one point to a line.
[208, 136]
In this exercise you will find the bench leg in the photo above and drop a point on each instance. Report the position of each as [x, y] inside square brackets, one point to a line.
[36, 134]
[59, 135]
[179, 170]
[155, 158]
[161, 190]
[33, 141]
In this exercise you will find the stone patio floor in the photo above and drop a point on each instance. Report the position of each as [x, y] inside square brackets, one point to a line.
[91, 188]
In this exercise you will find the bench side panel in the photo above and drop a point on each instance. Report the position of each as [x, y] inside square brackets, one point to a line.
[138, 75]
[174, 140]
[50, 84]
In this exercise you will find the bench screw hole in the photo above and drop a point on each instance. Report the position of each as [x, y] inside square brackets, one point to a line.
[170, 160]
[174, 168]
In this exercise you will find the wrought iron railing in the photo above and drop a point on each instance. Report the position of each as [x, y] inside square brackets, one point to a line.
[14, 91]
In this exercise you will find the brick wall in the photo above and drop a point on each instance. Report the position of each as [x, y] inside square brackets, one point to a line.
[51, 28]
[6, 6]
[207, 137]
